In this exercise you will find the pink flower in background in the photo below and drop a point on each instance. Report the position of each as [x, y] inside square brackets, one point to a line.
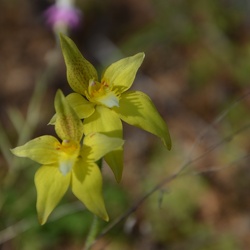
[63, 14]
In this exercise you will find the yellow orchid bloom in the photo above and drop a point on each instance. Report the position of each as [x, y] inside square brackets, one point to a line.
[68, 163]
[103, 104]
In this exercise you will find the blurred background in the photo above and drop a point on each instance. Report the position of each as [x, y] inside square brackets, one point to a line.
[196, 71]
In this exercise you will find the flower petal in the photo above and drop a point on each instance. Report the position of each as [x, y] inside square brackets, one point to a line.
[41, 149]
[79, 70]
[82, 107]
[121, 74]
[106, 121]
[87, 187]
[68, 125]
[52, 120]
[137, 109]
[51, 185]
[109, 100]
[103, 120]
[96, 145]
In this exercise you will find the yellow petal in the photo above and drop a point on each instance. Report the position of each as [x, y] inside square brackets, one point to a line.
[79, 70]
[96, 145]
[121, 74]
[51, 185]
[103, 120]
[87, 187]
[137, 109]
[82, 107]
[68, 125]
[41, 149]
[68, 155]
[106, 121]
[52, 120]
[115, 161]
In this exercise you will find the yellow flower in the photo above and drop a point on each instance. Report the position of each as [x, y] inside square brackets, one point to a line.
[103, 104]
[68, 163]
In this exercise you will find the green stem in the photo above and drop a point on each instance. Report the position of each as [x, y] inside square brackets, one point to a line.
[94, 229]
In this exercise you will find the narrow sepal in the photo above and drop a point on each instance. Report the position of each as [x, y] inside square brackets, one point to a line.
[137, 109]
[87, 187]
[97, 145]
[41, 149]
[106, 121]
[82, 107]
[79, 70]
[68, 125]
[121, 74]
[51, 185]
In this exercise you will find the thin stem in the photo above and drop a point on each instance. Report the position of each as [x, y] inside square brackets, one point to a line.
[172, 177]
[94, 230]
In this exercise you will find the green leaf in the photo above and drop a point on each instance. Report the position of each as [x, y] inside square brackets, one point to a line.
[51, 185]
[68, 125]
[79, 70]
[41, 149]
[137, 109]
[121, 74]
[87, 187]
